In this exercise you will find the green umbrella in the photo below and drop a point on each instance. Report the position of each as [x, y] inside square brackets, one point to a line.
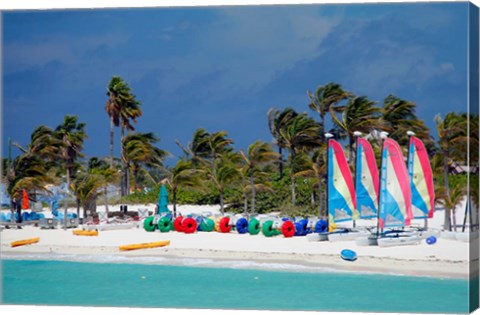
[163, 201]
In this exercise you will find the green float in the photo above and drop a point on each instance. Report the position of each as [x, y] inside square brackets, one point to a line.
[164, 224]
[207, 225]
[253, 226]
[268, 230]
[148, 224]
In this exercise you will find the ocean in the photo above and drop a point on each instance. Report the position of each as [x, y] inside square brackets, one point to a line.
[67, 283]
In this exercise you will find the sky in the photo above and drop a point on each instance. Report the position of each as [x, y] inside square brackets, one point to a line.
[222, 68]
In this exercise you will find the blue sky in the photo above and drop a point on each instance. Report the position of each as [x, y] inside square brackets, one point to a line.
[222, 68]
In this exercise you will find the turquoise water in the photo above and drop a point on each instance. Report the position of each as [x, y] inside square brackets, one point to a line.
[38, 282]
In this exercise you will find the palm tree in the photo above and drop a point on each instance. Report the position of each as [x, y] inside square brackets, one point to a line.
[72, 134]
[316, 169]
[182, 175]
[359, 114]
[44, 145]
[123, 109]
[90, 184]
[300, 135]
[28, 173]
[325, 100]
[223, 174]
[277, 121]
[261, 183]
[206, 147]
[452, 136]
[398, 117]
[118, 93]
[451, 201]
[139, 148]
[259, 154]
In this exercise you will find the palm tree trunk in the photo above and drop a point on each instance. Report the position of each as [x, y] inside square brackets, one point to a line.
[221, 203]
[245, 203]
[252, 185]
[135, 175]
[322, 127]
[174, 203]
[124, 166]
[105, 191]
[292, 178]
[127, 179]
[111, 142]
[280, 161]
[78, 208]
[447, 222]
[294, 197]
[454, 219]
[465, 216]
[350, 153]
[320, 196]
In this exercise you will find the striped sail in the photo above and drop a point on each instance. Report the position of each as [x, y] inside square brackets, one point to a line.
[341, 193]
[395, 195]
[421, 180]
[367, 181]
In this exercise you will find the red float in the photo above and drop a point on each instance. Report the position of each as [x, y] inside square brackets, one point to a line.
[177, 224]
[288, 229]
[189, 225]
[224, 225]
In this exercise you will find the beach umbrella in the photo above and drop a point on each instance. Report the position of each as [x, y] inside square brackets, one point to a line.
[25, 204]
[163, 201]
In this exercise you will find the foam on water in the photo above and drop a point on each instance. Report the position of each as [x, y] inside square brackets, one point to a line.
[191, 262]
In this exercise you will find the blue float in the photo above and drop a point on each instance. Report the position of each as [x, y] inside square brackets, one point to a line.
[321, 226]
[431, 240]
[242, 226]
[348, 255]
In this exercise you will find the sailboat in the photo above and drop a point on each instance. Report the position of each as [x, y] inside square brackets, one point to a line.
[367, 181]
[395, 207]
[341, 198]
[421, 184]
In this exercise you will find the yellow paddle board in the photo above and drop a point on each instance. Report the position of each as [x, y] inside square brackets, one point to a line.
[25, 242]
[144, 245]
[85, 233]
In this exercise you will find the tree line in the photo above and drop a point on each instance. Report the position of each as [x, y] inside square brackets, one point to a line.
[286, 174]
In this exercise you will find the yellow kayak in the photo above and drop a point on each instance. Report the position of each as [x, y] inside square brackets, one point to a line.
[85, 233]
[144, 245]
[25, 242]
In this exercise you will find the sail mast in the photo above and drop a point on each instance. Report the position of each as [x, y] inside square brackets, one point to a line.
[328, 136]
[356, 134]
[383, 136]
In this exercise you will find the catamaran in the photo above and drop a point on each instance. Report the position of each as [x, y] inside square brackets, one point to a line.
[421, 184]
[395, 207]
[367, 181]
[341, 197]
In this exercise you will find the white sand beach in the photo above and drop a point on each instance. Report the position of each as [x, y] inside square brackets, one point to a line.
[445, 258]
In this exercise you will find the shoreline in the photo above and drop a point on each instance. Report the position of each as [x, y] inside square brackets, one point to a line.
[444, 259]
[273, 261]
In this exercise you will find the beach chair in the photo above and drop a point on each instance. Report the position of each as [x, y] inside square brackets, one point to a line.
[48, 223]
[71, 223]
[142, 213]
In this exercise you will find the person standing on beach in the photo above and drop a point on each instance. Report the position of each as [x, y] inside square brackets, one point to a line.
[17, 206]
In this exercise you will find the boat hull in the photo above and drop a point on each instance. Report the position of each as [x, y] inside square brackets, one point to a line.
[110, 226]
[346, 236]
[398, 240]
